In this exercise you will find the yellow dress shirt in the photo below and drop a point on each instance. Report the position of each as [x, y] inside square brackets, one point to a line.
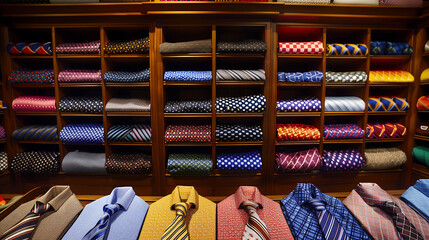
[201, 218]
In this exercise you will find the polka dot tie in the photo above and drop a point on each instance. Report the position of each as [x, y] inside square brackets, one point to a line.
[127, 77]
[139, 46]
[188, 133]
[301, 161]
[129, 163]
[240, 75]
[315, 47]
[238, 133]
[345, 77]
[130, 133]
[390, 48]
[34, 104]
[339, 131]
[79, 48]
[296, 132]
[239, 160]
[197, 76]
[74, 75]
[37, 76]
[35, 48]
[189, 164]
[81, 104]
[311, 76]
[204, 106]
[36, 162]
[246, 46]
[85, 133]
[36, 133]
[346, 49]
[254, 103]
[310, 104]
[342, 161]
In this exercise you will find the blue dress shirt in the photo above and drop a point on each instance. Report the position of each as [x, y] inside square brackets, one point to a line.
[417, 197]
[125, 224]
[303, 220]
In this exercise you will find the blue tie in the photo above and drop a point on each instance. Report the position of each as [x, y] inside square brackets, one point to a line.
[188, 76]
[254, 103]
[311, 76]
[98, 232]
[129, 77]
[86, 133]
[247, 161]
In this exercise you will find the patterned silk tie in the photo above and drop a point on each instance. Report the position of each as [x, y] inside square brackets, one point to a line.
[390, 48]
[344, 104]
[384, 158]
[86, 133]
[204, 106]
[311, 76]
[346, 49]
[309, 104]
[34, 104]
[139, 46]
[37, 76]
[36, 162]
[189, 164]
[246, 46]
[342, 161]
[358, 76]
[296, 132]
[178, 229]
[239, 160]
[423, 103]
[331, 228]
[405, 228]
[255, 228]
[130, 133]
[390, 76]
[3, 162]
[315, 47]
[35, 48]
[240, 75]
[302, 161]
[238, 133]
[387, 104]
[197, 46]
[75, 75]
[338, 131]
[81, 104]
[24, 228]
[127, 77]
[2, 132]
[194, 76]
[79, 48]
[99, 231]
[254, 103]
[129, 163]
[36, 133]
[188, 133]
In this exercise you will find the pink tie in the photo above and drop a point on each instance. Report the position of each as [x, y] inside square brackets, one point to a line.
[34, 104]
[315, 47]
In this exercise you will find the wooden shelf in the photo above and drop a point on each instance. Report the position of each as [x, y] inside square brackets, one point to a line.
[389, 84]
[425, 54]
[424, 83]
[188, 83]
[300, 84]
[188, 55]
[258, 143]
[36, 113]
[422, 111]
[420, 168]
[303, 142]
[131, 114]
[83, 144]
[219, 173]
[341, 85]
[298, 114]
[78, 56]
[39, 142]
[392, 57]
[3, 140]
[344, 113]
[287, 55]
[124, 56]
[382, 113]
[188, 144]
[421, 137]
[78, 114]
[347, 57]
[188, 115]
[381, 140]
[239, 55]
[33, 85]
[343, 141]
[79, 84]
[31, 56]
[146, 144]
[139, 84]
[319, 173]
[239, 114]
[239, 83]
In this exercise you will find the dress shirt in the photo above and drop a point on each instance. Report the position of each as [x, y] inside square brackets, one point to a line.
[303, 220]
[52, 224]
[125, 224]
[375, 221]
[201, 219]
[417, 197]
[231, 218]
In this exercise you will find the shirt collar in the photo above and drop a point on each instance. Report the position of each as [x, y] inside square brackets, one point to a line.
[56, 196]
[423, 186]
[307, 191]
[372, 194]
[184, 194]
[122, 196]
[248, 193]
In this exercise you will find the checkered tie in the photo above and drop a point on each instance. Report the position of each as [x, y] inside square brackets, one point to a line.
[139, 46]
[188, 133]
[3, 162]
[254, 103]
[79, 48]
[246, 46]
[36, 162]
[311, 76]
[194, 76]
[238, 160]
[81, 104]
[34, 104]
[36, 76]
[238, 133]
[86, 133]
[130, 133]
[358, 76]
[342, 161]
[127, 77]
[129, 163]
[35, 48]
[315, 47]
[302, 161]
[295, 132]
[36, 133]
[240, 75]
[189, 164]
[100, 231]
[78, 75]
[203, 106]
[309, 104]
[255, 228]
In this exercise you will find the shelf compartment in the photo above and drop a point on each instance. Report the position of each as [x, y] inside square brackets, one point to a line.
[148, 144]
[344, 113]
[343, 141]
[239, 114]
[77, 84]
[399, 113]
[421, 137]
[217, 173]
[239, 83]
[39, 142]
[305, 84]
[78, 56]
[380, 140]
[420, 168]
[317, 172]
[298, 114]
[257, 143]
[72, 114]
[304, 142]
[188, 55]
[121, 114]
[33, 85]
[36, 113]
[187, 115]
[141, 84]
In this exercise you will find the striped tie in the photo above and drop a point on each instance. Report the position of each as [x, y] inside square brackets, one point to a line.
[98, 232]
[331, 228]
[255, 228]
[344, 104]
[130, 133]
[178, 229]
[240, 75]
[39, 133]
[24, 228]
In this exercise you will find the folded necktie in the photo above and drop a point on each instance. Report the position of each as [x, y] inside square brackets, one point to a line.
[359, 76]
[238, 133]
[189, 164]
[74, 75]
[239, 160]
[384, 158]
[203, 106]
[310, 104]
[3, 162]
[390, 76]
[130, 133]
[306, 1]
[84, 162]
[294, 132]
[427, 46]
[302, 161]
[128, 105]
[197, 46]
[390, 48]
[188, 133]
[416, 3]
[36, 133]
[423, 103]
[37, 76]
[344, 104]
[346, 49]
[342, 161]
[315, 47]
[2, 133]
[385, 130]
[312, 76]
[240, 75]
[375, 130]
[254, 103]
[356, 2]
[339, 131]
[35, 48]
[188, 76]
[387, 104]
[424, 77]
[246, 46]
[421, 155]
[79, 48]
[34, 104]
[129, 163]
[423, 129]
[139, 46]
[85, 133]
[2, 105]
[36, 162]
[81, 104]
[121, 77]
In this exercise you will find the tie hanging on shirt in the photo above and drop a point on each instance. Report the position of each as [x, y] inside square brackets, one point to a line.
[255, 228]
[36, 76]
[129, 163]
[130, 133]
[342, 161]
[36, 133]
[239, 160]
[189, 164]
[127, 77]
[100, 230]
[81, 104]
[79, 48]
[36, 162]
[178, 229]
[78, 75]
[85, 133]
[34, 104]
[139, 46]
[302, 161]
[240, 75]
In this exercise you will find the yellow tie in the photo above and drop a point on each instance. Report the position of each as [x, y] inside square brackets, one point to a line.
[178, 229]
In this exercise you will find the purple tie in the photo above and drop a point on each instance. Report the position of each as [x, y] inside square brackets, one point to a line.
[342, 161]
[302, 161]
[79, 48]
[310, 104]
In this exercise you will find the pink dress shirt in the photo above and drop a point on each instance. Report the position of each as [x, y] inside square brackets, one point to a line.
[232, 219]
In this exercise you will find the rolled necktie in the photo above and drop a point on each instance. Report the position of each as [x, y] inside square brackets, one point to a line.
[386, 130]
[387, 104]
[188, 133]
[421, 155]
[79, 48]
[301, 161]
[339, 131]
[3, 161]
[310, 104]
[84, 133]
[130, 133]
[423, 129]
[390, 76]
[246, 46]
[346, 49]
[35, 48]
[424, 76]
[128, 104]
[127, 77]
[401, 104]
[36, 133]
[254, 103]
[36, 162]
[345, 77]
[2, 133]
[311, 76]
[197, 46]
[3, 105]
[139, 46]
[75, 75]
[374, 104]
[84, 162]
[189, 164]
[203, 106]
[307, 1]
[238, 133]
[315, 47]
[416, 3]
[129, 163]
[240, 75]
[398, 48]
[296, 132]
[197, 76]
[344, 104]
[81, 104]
[384, 158]
[375, 130]
[34, 104]
[423, 103]
[342, 161]
[356, 2]
[239, 160]
[36, 76]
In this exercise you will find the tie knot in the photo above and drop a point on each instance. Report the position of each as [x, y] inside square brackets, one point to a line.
[249, 206]
[317, 204]
[40, 208]
[389, 207]
[182, 208]
[111, 208]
